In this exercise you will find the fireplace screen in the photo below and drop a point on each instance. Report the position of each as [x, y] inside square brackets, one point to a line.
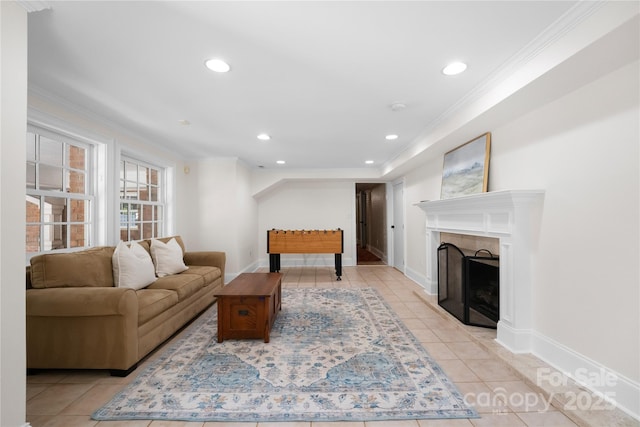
[468, 285]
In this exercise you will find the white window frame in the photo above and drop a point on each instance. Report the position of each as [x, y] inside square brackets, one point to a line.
[94, 153]
[107, 152]
[165, 183]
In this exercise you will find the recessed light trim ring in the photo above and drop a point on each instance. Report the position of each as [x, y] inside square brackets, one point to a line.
[454, 68]
[218, 65]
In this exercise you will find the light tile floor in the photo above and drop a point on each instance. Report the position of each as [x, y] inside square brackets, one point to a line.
[501, 386]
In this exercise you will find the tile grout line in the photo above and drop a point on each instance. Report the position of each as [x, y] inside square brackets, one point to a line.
[400, 289]
[556, 402]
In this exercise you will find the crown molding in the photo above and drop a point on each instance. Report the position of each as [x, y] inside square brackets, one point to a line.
[554, 32]
[520, 61]
[40, 117]
[34, 5]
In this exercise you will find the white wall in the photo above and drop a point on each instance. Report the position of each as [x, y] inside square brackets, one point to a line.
[308, 205]
[582, 149]
[247, 214]
[422, 183]
[13, 128]
[187, 213]
[55, 114]
[219, 212]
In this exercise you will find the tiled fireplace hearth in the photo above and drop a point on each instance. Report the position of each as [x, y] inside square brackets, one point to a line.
[511, 216]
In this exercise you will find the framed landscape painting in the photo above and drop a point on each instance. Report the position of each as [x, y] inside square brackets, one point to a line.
[466, 168]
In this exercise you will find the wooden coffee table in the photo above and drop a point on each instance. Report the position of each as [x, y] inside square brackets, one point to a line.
[248, 306]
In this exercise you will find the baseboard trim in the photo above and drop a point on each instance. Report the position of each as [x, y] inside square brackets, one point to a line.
[612, 386]
[517, 341]
[430, 288]
[567, 398]
[377, 252]
[417, 277]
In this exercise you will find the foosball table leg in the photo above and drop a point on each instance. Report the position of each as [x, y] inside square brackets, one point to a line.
[338, 259]
[274, 263]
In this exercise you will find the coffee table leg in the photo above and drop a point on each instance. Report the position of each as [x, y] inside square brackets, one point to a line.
[220, 317]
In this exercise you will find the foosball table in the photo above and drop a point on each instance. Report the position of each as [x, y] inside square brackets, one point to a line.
[304, 242]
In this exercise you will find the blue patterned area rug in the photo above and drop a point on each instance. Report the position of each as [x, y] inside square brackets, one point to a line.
[333, 355]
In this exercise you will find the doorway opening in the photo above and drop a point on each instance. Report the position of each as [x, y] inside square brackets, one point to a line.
[371, 230]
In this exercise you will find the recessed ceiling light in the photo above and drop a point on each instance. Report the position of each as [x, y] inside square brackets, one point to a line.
[391, 137]
[454, 68]
[263, 137]
[280, 162]
[369, 162]
[217, 65]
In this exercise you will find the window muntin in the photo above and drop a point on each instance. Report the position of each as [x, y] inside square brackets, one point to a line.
[141, 204]
[59, 199]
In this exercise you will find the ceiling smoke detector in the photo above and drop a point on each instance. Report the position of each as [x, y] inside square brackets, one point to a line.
[397, 106]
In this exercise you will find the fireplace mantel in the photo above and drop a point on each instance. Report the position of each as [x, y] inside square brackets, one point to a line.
[513, 217]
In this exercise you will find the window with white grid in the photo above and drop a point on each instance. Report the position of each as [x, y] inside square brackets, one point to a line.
[142, 205]
[59, 192]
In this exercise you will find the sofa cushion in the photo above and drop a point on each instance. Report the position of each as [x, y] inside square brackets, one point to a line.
[152, 302]
[167, 257]
[147, 243]
[132, 266]
[183, 284]
[208, 273]
[91, 267]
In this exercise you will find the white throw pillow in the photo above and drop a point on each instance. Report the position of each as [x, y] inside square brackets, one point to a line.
[132, 266]
[167, 257]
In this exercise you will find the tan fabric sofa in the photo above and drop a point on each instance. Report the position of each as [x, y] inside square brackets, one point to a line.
[78, 319]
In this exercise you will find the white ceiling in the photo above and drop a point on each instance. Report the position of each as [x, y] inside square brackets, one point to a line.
[319, 77]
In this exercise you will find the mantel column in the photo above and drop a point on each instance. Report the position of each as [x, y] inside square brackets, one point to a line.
[512, 217]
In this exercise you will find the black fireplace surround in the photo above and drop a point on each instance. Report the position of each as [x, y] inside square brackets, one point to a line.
[469, 285]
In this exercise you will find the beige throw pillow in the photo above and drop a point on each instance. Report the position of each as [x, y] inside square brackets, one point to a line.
[167, 257]
[132, 266]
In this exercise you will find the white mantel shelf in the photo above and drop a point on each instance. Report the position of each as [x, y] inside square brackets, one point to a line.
[512, 216]
[480, 214]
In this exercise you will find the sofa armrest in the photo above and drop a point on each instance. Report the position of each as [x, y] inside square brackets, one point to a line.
[82, 328]
[81, 302]
[211, 258]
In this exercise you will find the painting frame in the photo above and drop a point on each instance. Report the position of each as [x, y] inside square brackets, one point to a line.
[465, 169]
